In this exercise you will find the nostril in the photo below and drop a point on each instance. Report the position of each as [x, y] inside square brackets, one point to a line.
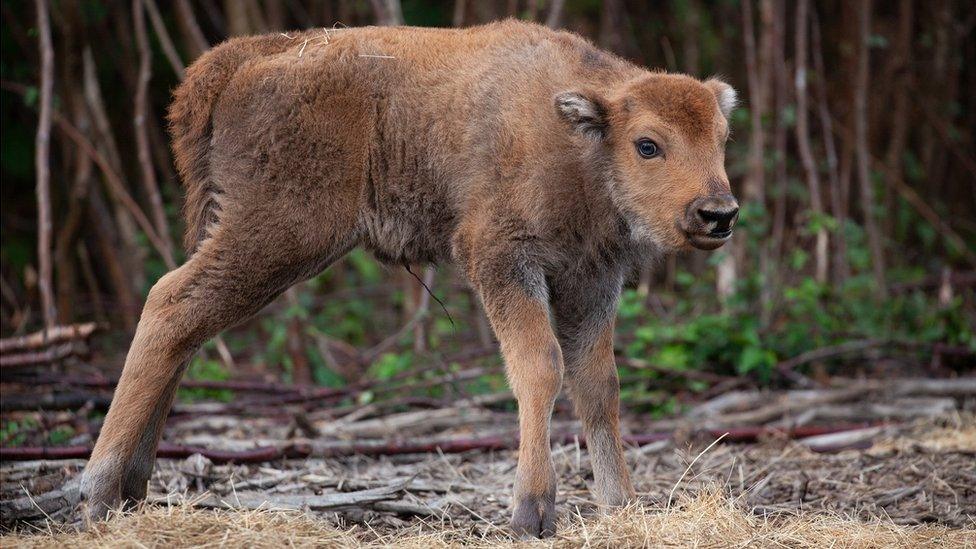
[723, 217]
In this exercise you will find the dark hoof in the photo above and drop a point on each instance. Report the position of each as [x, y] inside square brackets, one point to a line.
[100, 492]
[534, 517]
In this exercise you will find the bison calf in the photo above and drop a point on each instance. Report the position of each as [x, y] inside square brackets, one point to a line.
[545, 168]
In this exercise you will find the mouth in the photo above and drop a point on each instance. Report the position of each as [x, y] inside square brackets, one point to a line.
[709, 241]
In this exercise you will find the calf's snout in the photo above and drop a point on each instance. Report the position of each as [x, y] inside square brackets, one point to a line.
[710, 219]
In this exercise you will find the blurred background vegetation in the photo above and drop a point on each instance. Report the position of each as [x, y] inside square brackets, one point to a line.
[852, 154]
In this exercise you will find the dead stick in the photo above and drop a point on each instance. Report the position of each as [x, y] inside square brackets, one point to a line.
[56, 334]
[42, 161]
[786, 367]
[379, 447]
[50, 355]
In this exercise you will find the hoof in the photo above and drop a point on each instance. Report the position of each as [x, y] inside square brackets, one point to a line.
[100, 492]
[534, 517]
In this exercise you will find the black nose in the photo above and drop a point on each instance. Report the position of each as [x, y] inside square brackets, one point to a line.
[718, 214]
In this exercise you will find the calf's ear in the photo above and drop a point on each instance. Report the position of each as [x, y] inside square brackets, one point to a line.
[585, 111]
[725, 95]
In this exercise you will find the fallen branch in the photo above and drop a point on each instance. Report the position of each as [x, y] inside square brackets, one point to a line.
[700, 375]
[64, 500]
[834, 442]
[53, 354]
[50, 504]
[965, 279]
[44, 338]
[55, 401]
[281, 394]
[786, 367]
[789, 403]
[324, 502]
[959, 387]
[301, 448]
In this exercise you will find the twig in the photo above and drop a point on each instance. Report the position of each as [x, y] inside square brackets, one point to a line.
[42, 146]
[786, 367]
[701, 375]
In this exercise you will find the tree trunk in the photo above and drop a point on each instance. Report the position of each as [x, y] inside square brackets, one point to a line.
[238, 23]
[460, 11]
[64, 247]
[165, 41]
[110, 260]
[690, 38]
[900, 113]
[803, 140]
[555, 16]
[774, 17]
[611, 24]
[839, 263]
[193, 37]
[754, 185]
[863, 154]
[301, 371]
[388, 12]
[42, 161]
[142, 135]
[133, 255]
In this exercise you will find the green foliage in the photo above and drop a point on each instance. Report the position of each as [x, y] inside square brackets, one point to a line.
[203, 369]
[60, 435]
[775, 313]
[809, 316]
[391, 364]
[14, 432]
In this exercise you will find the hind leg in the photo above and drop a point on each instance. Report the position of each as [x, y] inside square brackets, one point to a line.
[233, 274]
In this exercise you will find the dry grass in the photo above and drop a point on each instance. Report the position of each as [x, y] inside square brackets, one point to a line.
[958, 436]
[916, 487]
[710, 520]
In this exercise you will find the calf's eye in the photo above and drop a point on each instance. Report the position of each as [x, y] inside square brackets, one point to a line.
[648, 148]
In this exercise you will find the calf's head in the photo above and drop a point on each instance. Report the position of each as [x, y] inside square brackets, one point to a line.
[660, 140]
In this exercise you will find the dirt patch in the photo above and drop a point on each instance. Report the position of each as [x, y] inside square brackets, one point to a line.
[915, 487]
[709, 520]
[891, 481]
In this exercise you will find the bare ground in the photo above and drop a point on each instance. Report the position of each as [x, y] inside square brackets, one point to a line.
[906, 484]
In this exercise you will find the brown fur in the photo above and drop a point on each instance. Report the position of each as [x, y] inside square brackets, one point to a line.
[508, 149]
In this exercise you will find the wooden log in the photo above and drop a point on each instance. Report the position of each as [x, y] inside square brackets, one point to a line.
[44, 338]
[53, 401]
[303, 448]
[50, 504]
[50, 355]
[324, 502]
[834, 442]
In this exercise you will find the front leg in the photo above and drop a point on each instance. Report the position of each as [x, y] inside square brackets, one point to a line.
[584, 315]
[516, 303]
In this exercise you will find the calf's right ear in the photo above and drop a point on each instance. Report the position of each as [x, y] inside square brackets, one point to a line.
[584, 111]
